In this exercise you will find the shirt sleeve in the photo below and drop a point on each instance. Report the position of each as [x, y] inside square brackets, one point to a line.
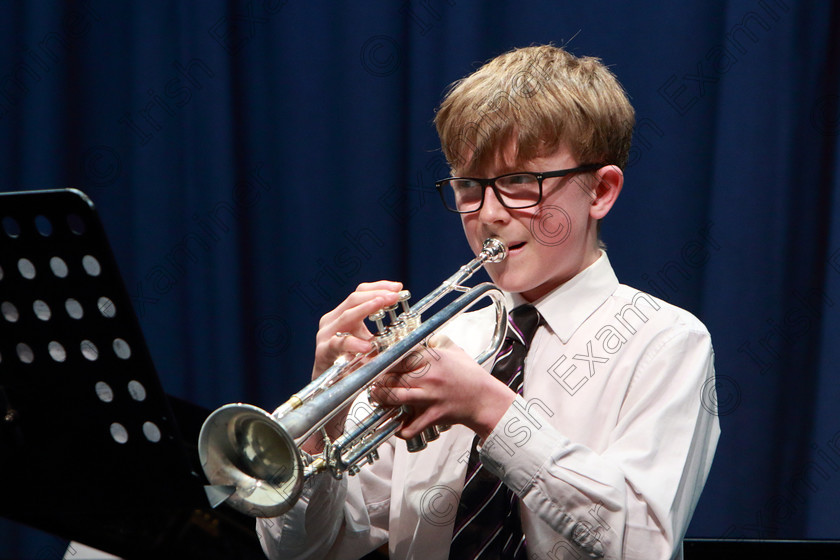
[636, 497]
[334, 519]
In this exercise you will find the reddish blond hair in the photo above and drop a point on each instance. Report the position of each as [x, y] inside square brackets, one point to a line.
[536, 99]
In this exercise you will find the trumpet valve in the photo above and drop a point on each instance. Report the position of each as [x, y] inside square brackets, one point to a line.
[377, 318]
[385, 338]
[431, 433]
[411, 320]
[404, 296]
[417, 443]
[399, 328]
[392, 313]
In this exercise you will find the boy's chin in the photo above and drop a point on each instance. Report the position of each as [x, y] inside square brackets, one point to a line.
[512, 285]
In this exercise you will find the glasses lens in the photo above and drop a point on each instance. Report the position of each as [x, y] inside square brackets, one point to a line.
[520, 190]
[462, 195]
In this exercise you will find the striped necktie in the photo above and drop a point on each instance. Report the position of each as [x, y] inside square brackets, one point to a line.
[487, 524]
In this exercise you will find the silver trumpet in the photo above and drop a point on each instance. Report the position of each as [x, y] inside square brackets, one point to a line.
[253, 459]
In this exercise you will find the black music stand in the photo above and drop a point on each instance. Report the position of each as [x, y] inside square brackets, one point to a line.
[89, 447]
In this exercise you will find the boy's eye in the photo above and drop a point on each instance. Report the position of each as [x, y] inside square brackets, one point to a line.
[465, 184]
[523, 179]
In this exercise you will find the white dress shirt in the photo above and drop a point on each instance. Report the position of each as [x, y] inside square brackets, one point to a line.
[608, 448]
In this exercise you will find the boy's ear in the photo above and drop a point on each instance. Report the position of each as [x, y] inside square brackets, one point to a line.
[607, 185]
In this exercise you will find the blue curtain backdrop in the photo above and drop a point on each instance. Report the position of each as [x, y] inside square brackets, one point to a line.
[254, 161]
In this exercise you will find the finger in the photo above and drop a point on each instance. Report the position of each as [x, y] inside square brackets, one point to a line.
[366, 307]
[417, 424]
[393, 396]
[439, 340]
[351, 319]
[367, 291]
[329, 350]
[379, 285]
[350, 315]
[392, 379]
[360, 297]
[346, 343]
[407, 378]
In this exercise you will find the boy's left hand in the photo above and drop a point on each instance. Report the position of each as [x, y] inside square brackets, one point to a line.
[444, 385]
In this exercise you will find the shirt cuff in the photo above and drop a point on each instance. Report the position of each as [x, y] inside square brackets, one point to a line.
[519, 445]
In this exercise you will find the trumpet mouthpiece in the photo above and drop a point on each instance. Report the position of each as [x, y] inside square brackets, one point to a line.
[495, 250]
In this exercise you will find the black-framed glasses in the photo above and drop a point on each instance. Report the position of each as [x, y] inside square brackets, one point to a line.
[513, 190]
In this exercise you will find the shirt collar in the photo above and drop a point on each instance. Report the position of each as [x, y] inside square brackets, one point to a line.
[569, 305]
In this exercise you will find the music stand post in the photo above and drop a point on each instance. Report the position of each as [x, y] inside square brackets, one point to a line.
[89, 447]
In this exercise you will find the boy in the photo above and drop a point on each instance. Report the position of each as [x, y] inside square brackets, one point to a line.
[605, 448]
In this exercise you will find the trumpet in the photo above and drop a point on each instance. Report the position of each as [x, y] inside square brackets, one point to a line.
[253, 459]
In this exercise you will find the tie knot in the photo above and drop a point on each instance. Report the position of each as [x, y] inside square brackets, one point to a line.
[525, 320]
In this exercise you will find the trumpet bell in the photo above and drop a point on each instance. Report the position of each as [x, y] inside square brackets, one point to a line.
[251, 460]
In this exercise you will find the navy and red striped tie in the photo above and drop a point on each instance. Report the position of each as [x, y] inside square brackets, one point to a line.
[487, 524]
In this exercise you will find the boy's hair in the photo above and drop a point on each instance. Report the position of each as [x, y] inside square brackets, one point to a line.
[537, 99]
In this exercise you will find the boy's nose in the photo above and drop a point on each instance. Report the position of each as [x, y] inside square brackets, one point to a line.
[492, 209]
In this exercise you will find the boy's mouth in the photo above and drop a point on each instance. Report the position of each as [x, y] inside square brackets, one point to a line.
[516, 246]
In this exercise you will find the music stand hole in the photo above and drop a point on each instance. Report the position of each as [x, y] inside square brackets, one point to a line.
[77, 225]
[25, 353]
[121, 349]
[106, 307]
[137, 391]
[119, 433]
[11, 227]
[89, 350]
[43, 225]
[26, 268]
[10, 312]
[151, 431]
[41, 309]
[59, 267]
[57, 351]
[74, 308]
[91, 265]
[104, 391]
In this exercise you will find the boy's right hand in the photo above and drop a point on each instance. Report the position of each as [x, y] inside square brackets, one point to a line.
[343, 330]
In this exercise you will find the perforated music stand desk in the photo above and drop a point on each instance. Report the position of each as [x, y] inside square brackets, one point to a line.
[89, 447]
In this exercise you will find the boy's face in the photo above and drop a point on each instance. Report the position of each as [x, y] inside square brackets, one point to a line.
[548, 244]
